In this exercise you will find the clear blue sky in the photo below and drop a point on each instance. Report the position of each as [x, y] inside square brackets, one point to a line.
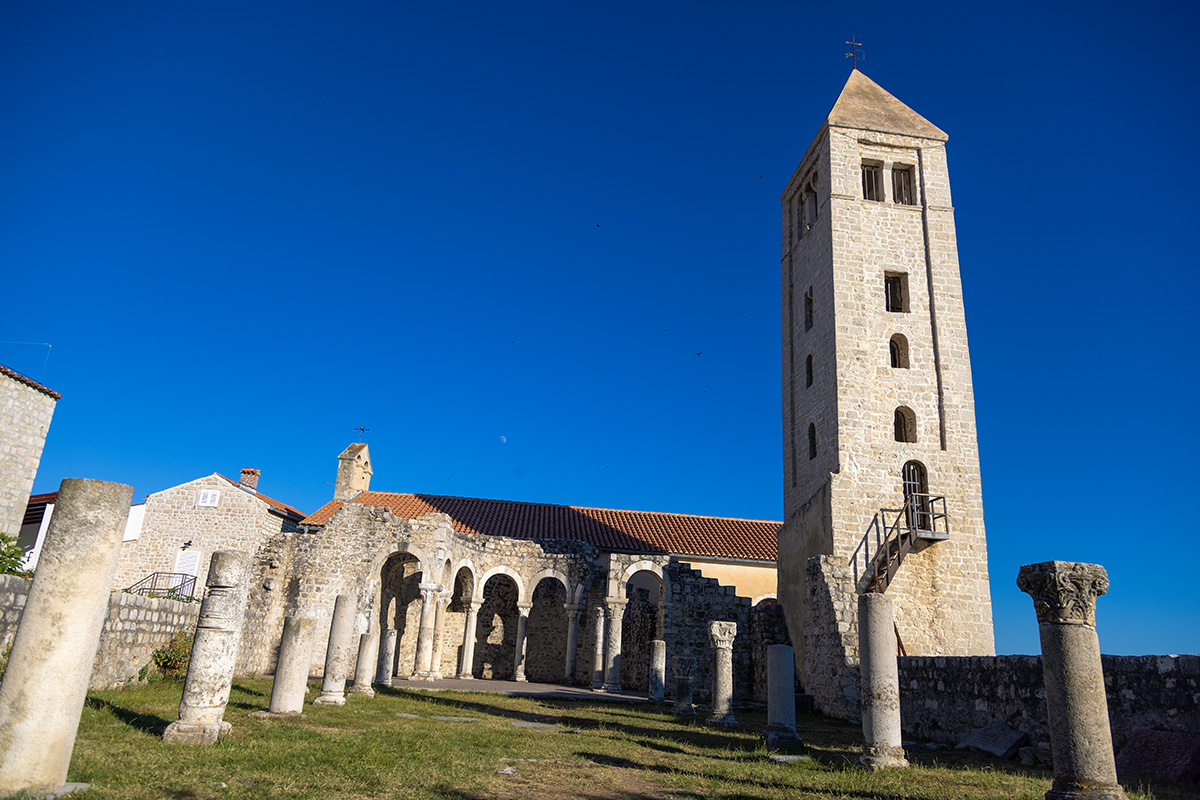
[499, 234]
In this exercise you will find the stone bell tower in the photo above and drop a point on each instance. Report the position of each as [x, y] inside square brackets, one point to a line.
[881, 466]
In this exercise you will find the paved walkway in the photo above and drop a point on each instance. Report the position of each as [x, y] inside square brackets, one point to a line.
[522, 689]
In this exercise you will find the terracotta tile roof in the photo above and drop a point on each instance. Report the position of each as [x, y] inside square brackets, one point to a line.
[268, 500]
[606, 528]
[30, 382]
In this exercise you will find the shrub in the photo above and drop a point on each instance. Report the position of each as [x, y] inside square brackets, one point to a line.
[11, 556]
[172, 659]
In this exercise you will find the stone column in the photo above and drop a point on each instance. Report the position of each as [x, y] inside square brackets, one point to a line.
[1064, 596]
[614, 609]
[722, 634]
[429, 593]
[292, 667]
[683, 667]
[522, 630]
[387, 657]
[573, 612]
[598, 649]
[468, 648]
[781, 697]
[214, 651]
[364, 667]
[337, 653]
[41, 698]
[658, 670]
[439, 627]
[879, 683]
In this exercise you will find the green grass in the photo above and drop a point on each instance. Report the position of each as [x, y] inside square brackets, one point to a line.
[616, 750]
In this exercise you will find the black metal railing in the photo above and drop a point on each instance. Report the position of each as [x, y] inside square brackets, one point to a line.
[174, 585]
[884, 545]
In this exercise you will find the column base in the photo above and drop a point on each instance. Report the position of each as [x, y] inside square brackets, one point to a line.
[883, 756]
[361, 691]
[201, 733]
[435, 676]
[684, 710]
[330, 699]
[387, 683]
[466, 676]
[782, 736]
[725, 723]
[611, 687]
[422, 676]
[520, 679]
[1070, 790]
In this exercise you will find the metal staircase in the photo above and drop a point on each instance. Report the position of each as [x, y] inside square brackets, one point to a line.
[884, 545]
[174, 585]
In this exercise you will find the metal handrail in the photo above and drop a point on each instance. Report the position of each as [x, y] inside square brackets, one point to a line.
[166, 584]
[908, 519]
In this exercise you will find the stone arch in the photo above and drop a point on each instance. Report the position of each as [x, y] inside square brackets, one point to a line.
[645, 565]
[498, 593]
[400, 573]
[580, 594]
[768, 596]
[546, 637]
[641, 621]
[500, 570]
[401, 547]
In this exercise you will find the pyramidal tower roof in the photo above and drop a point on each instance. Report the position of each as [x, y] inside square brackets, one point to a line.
[865, 104]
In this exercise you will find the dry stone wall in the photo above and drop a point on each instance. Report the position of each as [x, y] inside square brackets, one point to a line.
[134, 628]
[25, 415]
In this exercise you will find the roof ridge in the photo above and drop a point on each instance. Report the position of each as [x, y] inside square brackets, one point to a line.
[564, 505]
[28, 381]
[264, 497]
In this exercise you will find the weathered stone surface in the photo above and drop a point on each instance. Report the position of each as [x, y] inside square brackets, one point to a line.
[364, 666]
[998, 739]
[658, 670]
[1160, 755]
[882, 744]
[684, 667]
[291, 668]
[722, 635]
[214, 652]
[25, 413]
[46, 680]
[387, 657]
[781, 697]
[337, 653]
[1064, 597]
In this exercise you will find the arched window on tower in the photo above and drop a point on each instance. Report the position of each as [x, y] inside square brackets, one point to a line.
[808, 309]
[812, 441]
[905, 424]
[918, 510]
[808, 372]
[898, 348]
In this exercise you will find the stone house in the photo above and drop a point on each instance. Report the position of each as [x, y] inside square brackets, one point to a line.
[476, 588]
[25, 411]
[182, 526]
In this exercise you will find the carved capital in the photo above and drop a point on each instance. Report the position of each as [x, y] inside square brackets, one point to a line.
[722, 633]
[1064, 592]
[523, 609]
[683, 666]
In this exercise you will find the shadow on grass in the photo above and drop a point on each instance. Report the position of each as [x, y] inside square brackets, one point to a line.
[147, 723]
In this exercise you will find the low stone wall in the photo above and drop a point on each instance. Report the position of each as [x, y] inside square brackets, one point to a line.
[134, 628]
[944, 698]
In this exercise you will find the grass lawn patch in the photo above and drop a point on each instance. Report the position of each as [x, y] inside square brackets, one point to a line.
[366, 749]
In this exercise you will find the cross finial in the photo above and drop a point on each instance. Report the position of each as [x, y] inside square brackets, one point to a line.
[361, 430]
[854, 52]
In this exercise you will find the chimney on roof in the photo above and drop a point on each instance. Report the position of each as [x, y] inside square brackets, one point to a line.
[250, 479]
[354, 472]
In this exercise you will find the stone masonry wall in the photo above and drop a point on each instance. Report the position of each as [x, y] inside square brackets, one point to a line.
[944, 698]
[134, 628]
[830, 671]
[25, 415]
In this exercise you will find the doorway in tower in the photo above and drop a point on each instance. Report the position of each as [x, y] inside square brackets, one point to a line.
[918, 512]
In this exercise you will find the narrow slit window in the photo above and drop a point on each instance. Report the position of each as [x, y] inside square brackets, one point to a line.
[808, 309]
[808, 374]
[905, 425]
[898, 351]
[902, 186]
[895, 291]
[812, 441]
[872, 181]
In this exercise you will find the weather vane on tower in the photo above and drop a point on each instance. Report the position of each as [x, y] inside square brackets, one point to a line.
[361, 430]
[854, 52]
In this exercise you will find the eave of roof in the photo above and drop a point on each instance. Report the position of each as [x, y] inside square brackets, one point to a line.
[284, 507]
[30, 382]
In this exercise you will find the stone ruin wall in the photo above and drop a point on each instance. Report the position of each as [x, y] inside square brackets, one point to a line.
[134, 627]
[26, 413]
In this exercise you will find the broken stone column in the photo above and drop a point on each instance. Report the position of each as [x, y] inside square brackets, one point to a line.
[572, 642]
[879, 683]
[337, 652]
[614, 609]
[1064, 596]
[683, 667]
[598, 649]
[429, 593]
[722, 634]
[364, 667]
[387, 657]
[292, 667]
[522, 631]
[45, 684]
[781, 697]
[468, 646]
[658, 670]
[214, 651]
